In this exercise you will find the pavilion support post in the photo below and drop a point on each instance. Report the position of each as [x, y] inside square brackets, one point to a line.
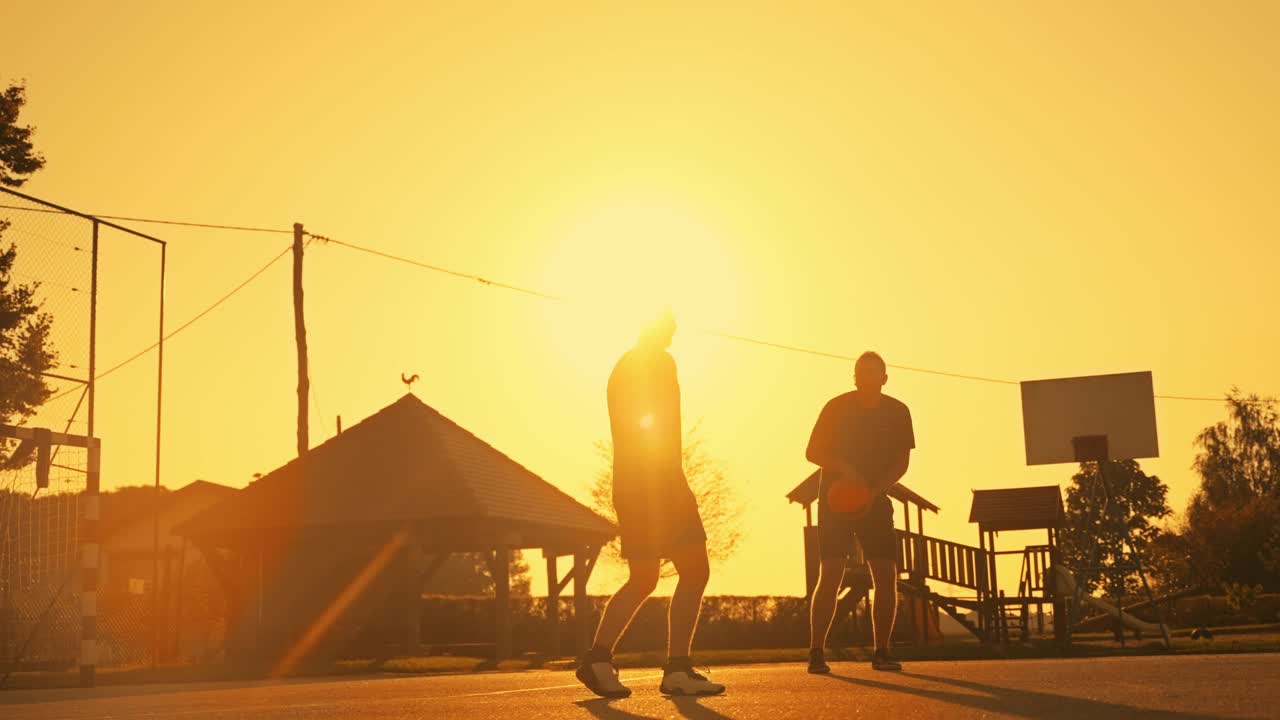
[414, 575]
[583, 563]
[502, 604]
[553, 608]
[240, 632]
[419, 570]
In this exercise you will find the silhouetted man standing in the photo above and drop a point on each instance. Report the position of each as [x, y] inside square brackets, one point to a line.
[657, 515]
[862, 441]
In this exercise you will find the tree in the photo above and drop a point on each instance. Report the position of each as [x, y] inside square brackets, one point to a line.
[18, 157]
[1240, 457]
[1231, 532]
[1134, 499]
[1232, 543]
[718, 503]
[25, 350]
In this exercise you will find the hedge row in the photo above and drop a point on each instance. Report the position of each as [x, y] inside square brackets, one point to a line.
[726, 622]
[733, 621]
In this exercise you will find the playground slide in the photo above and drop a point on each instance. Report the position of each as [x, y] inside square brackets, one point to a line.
[1066, 586]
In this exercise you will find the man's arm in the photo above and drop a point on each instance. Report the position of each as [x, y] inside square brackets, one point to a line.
[899, 468]
[822, 446]
[901, 459]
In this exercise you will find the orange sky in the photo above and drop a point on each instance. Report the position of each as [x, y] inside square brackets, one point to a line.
[1014, 190]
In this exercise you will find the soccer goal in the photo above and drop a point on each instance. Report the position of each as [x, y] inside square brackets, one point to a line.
[49, 484]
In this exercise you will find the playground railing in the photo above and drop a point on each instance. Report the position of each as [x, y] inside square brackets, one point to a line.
[1035, 563]
[949, 562]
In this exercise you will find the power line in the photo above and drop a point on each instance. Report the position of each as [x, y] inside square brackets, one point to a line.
[43, 238]
[728, 336]
[211, 226]
[186, 324]
[838, 356]
[45, 281]
[1206, 399]
[439, 269]
[182, 223]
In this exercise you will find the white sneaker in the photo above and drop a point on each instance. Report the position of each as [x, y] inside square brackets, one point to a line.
[682, 679]
[601, 678]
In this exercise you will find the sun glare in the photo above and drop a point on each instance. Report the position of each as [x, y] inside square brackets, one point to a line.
[622, 263]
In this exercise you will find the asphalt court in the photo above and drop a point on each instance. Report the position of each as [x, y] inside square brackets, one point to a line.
[1184, 687]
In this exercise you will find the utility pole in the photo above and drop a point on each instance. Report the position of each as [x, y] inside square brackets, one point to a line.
[300, 334]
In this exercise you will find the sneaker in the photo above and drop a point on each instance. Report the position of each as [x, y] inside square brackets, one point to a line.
[600, 676]
[882, 660]
[817, 663]
[679, 678]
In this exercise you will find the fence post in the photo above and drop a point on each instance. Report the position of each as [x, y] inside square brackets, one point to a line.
[89, 551]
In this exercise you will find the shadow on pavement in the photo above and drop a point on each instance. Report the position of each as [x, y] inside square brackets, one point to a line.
[688, 707]
[692, 708]
[603, 708]
[1025, 703]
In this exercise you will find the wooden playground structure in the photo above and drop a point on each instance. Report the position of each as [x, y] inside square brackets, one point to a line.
[969, 570]
[1094, 419]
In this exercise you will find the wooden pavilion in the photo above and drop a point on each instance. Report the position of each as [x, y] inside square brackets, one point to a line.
[347, 534]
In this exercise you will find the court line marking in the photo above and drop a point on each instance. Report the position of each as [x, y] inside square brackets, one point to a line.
[335, 703]
[522, 690]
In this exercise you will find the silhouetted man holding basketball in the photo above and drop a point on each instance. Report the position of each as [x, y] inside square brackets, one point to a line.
[862, 441]
[657, 515]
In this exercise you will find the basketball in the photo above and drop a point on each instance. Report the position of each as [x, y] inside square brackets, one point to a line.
[846, 496]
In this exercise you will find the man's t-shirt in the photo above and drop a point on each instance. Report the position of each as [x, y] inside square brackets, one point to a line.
[870, 438]
[644, 417]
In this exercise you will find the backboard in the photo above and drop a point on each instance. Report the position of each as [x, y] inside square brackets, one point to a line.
[1071, 420]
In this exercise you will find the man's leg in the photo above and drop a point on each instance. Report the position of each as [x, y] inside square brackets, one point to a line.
[596, 670]
[694, 571]
[884, 607]
[822, 607]
[880, 546]
[622, 607]
[678, 675]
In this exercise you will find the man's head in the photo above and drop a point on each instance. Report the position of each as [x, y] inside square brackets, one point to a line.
[869, 372]
[658, 332]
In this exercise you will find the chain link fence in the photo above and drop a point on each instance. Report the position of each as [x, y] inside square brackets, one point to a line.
[81, 289]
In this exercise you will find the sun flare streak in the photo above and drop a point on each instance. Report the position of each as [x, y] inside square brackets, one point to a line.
[344, 600]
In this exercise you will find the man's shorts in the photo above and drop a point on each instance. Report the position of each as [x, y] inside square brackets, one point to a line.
[654, 524]
[874, 531]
